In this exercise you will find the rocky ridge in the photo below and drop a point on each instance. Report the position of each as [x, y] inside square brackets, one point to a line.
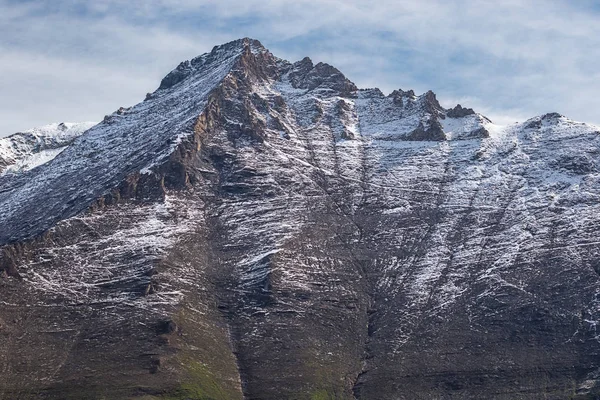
[264, 229]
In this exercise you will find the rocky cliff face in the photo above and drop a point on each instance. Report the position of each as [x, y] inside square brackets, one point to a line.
[265, 230]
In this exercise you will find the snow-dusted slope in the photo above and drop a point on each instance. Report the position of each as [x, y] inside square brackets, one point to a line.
[126, 141]
[26, 150]
[486, 239]
[264, 229]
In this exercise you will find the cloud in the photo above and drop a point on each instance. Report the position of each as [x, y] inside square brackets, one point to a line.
[76, 60]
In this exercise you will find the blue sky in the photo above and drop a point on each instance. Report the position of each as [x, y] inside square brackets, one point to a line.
[71, 60]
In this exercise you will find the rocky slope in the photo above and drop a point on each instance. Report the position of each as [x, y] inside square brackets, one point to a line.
[265, 230]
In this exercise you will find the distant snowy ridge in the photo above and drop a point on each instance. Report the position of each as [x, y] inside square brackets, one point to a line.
[26, 150]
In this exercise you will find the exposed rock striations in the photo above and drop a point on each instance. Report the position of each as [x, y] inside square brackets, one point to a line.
[265, 230]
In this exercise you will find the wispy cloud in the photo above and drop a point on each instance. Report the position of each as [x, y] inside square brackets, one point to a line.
[77, 60]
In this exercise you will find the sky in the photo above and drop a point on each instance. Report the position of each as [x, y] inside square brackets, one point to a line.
[72, 60]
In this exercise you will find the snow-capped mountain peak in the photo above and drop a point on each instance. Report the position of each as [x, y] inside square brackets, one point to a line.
[258, 228]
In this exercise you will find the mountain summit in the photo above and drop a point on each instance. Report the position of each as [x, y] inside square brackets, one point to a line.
[262, 229]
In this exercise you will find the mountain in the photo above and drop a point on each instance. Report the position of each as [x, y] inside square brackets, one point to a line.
[263, 229]
[26, 150]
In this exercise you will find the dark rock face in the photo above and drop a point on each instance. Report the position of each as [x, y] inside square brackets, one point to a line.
[179, 74]
[578, 164]
[432, 132]
[459, 111]
[278, 234]
[322, 77]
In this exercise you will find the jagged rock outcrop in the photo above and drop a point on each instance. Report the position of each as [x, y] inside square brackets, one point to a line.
[265, 230]
[322, 77]
[459, 112]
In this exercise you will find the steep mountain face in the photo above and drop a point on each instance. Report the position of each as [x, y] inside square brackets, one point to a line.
[266, 230]
[26, 150]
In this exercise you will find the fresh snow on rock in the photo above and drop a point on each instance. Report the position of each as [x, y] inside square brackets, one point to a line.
[29, 149]
[382, 240]
[126, 141]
